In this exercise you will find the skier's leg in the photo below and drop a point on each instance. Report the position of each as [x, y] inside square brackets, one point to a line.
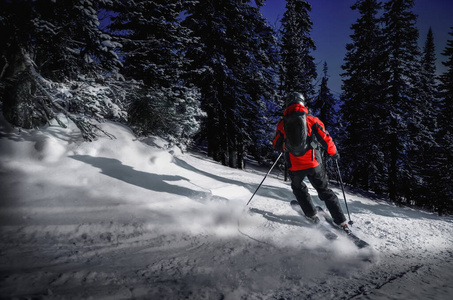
[318, 179]
[300, 190]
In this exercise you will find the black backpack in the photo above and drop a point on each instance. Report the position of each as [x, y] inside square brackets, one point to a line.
[295, 125]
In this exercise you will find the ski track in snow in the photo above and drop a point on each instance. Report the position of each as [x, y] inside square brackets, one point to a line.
[121, 219]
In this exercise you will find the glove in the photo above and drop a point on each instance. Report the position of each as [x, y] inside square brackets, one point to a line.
[336, 156]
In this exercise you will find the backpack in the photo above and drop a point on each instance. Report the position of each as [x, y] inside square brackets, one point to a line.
[295, 125]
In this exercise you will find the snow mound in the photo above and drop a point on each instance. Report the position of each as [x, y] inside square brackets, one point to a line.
[49, 149]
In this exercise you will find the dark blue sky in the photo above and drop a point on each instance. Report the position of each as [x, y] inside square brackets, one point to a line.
[332, 20]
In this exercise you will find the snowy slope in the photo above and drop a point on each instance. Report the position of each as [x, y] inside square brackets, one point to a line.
[123, 218]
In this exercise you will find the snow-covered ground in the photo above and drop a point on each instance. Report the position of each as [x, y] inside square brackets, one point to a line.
[123, 218]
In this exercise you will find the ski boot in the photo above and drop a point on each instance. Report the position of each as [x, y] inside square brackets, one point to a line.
[315, 219]
[345, 228]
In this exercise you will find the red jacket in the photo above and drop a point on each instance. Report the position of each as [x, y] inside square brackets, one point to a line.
[314, 126]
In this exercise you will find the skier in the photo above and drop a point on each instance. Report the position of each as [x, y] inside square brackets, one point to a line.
[308, 164]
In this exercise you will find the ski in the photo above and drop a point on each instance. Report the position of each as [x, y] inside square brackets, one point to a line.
[328, 234]
[355, 239]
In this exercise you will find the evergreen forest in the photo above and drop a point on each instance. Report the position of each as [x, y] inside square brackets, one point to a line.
[213, 74]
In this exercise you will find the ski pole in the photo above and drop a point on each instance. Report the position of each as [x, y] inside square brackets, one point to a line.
[344, 195]
[265, 177]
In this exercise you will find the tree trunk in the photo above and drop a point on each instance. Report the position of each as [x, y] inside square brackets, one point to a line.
[232, 159]
[19, 98]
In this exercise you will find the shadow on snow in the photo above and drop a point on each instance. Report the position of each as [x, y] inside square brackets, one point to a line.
[155, 182]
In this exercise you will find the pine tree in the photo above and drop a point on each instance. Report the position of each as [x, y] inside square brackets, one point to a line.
[428, 67]
[50, 50]
[234, 59]
[445, 134]
[403, 107]
[298, 67]
[422, 126]
[363, 112]
[152, 40]
[154, 43]
[324, 107]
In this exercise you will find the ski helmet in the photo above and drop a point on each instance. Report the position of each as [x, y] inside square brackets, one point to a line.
[294, 98]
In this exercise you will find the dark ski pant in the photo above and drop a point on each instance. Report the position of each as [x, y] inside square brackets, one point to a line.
[318, 179]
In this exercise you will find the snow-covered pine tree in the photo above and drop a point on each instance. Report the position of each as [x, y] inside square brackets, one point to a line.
[260, 58]
[325, 102]
[235, 61]
[363, 112]
[445, 134]
[324, 107]
[298, 67]
[54, 55]
[402, 107]
[428, 70]
[154, 44]
[152, 40]
[422, 126]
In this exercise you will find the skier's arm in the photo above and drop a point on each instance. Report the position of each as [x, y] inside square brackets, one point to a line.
[324, 138]
[279, 139]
